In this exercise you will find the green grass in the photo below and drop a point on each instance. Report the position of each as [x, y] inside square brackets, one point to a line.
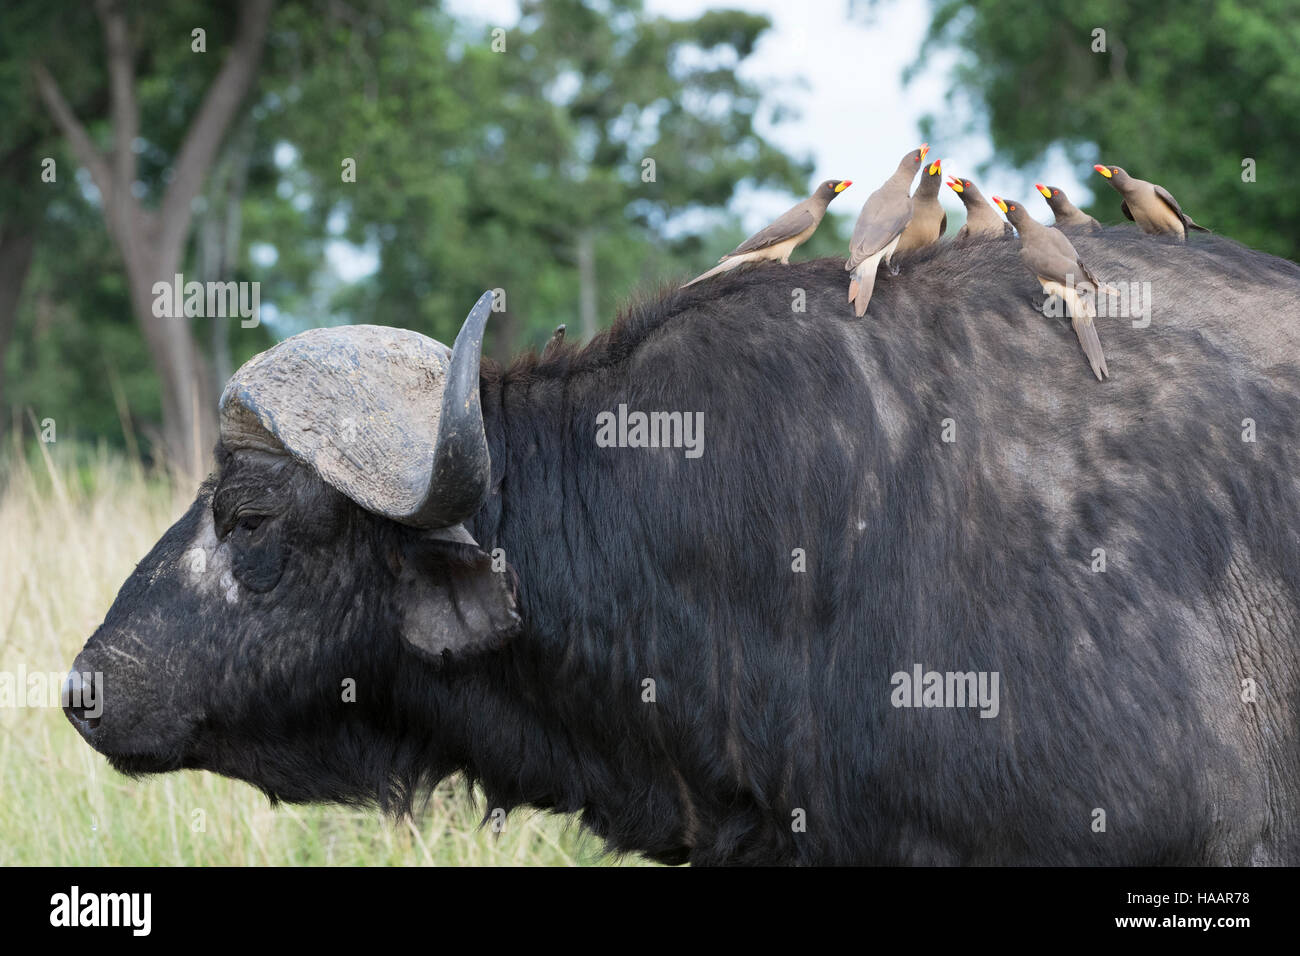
[73, 523]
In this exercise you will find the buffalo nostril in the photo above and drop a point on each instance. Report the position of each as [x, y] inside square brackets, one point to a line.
[77, 703]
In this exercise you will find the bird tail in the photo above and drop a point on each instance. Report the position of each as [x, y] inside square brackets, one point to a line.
[863, 283]
[726, 265]
[1196, 225]
[1085, 329]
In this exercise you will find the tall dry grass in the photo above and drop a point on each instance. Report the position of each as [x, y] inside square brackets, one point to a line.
[73, 523]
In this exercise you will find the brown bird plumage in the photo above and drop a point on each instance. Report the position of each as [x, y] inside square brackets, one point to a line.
[880, 224]
[1068, 215]
[981, 220]
[782, 237]
[1052, 258]
[929, 221]
[1150, 205]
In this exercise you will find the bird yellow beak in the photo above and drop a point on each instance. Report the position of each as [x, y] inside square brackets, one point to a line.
[954, 184]
[844, 185]
[934, 166]
[1001, 203]
[925, 148]
[1103, 170]
[1047, 193]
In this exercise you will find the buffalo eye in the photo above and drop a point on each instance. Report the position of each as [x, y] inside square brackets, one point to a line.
[227, 520]
[257, 551]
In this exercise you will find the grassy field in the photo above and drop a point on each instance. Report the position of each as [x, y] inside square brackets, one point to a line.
[73, 523]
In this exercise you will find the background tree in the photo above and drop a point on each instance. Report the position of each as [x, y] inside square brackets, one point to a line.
[1185, 91]
[661, 121]
[476, 166]
[151, 238]
[29, 153]
[517, 161]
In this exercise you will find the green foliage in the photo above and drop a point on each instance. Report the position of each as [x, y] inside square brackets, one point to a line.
[479, 167]
[475, 168]
[1183, 94]
[76, 342]
[77, 336]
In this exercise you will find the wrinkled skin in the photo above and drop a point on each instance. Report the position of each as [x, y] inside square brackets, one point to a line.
[253, 571]
[1121, 690]
[219, 673]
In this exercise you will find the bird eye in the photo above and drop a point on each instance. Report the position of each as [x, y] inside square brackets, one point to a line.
[1056, 192]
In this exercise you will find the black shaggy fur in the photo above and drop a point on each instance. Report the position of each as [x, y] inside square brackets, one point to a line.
[1120, 691]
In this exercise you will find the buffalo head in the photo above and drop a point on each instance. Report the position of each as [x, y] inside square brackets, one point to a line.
[323, 568]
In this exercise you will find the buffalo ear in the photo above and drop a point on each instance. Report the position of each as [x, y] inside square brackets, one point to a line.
[451, 602]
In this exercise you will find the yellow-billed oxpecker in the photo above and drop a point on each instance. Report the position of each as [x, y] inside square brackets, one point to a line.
[1150, 205]
[929, 221]
[981, 220]
[1068, 215]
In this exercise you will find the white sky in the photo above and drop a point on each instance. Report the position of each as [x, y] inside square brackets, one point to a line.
[856, 118]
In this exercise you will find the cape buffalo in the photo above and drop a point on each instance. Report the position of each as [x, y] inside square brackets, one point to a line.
[927, 594]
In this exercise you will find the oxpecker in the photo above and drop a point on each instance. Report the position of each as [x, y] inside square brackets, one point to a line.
[1052, 258]
[778, 240]
[885, 215]
[1149, 205]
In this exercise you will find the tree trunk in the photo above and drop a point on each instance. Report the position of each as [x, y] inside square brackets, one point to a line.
[219, 235]
[189, 419]
[151, 242]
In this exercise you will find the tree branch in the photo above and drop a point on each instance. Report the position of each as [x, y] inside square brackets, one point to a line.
[208, 128]
[121, 85]
[86, 151]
